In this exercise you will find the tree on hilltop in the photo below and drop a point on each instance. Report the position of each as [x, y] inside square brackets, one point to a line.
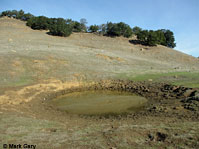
[170, 40]
[60, 28]
[152, 39]
[83, 23]
[77, 27]
[160, 37]
[136, 30]
[119, 29]
[103, 29]
[143, 35]
[21, 15]
[39, 23]
[93, 28]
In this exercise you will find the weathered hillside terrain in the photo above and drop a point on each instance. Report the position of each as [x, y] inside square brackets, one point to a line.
[31, 55]
[36, 67]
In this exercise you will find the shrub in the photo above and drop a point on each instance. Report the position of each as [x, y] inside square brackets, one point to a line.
[17, 14]
[27, 16]
[9, 13]
[103, 29]
[60, 28]
[160, 37]
[152, 38]
[143, 35]
[170, 40]
[76, 27]
[136, 30]
[39, 23]
[93, 28]
[20, 14]
[119, 29]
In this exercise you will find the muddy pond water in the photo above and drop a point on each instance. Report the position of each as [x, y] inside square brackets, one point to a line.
[99, 102]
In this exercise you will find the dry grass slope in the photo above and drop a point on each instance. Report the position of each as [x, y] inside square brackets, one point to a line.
[32, 55]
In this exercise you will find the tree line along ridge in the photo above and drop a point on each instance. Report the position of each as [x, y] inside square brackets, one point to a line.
[65, 27]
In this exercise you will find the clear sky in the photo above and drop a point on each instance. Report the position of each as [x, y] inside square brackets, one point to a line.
[180, 16]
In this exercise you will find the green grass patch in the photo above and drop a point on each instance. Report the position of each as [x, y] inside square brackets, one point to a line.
[188, 79]
[21, 81]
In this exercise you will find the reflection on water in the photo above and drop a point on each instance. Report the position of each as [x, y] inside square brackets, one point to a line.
[99, 102]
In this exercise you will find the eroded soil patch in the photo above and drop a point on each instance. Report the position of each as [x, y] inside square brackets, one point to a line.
[161, 96]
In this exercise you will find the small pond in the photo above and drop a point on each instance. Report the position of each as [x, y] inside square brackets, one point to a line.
[99, 102]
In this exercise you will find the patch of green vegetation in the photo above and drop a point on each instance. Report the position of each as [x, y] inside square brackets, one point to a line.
[188, 79]
[22, 81]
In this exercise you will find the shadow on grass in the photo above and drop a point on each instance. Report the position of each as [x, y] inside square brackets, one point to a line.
[136, 42]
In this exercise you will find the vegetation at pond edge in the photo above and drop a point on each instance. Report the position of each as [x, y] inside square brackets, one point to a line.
[64, 27]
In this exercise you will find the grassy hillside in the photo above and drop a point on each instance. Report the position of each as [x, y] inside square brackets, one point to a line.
[32, 56]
